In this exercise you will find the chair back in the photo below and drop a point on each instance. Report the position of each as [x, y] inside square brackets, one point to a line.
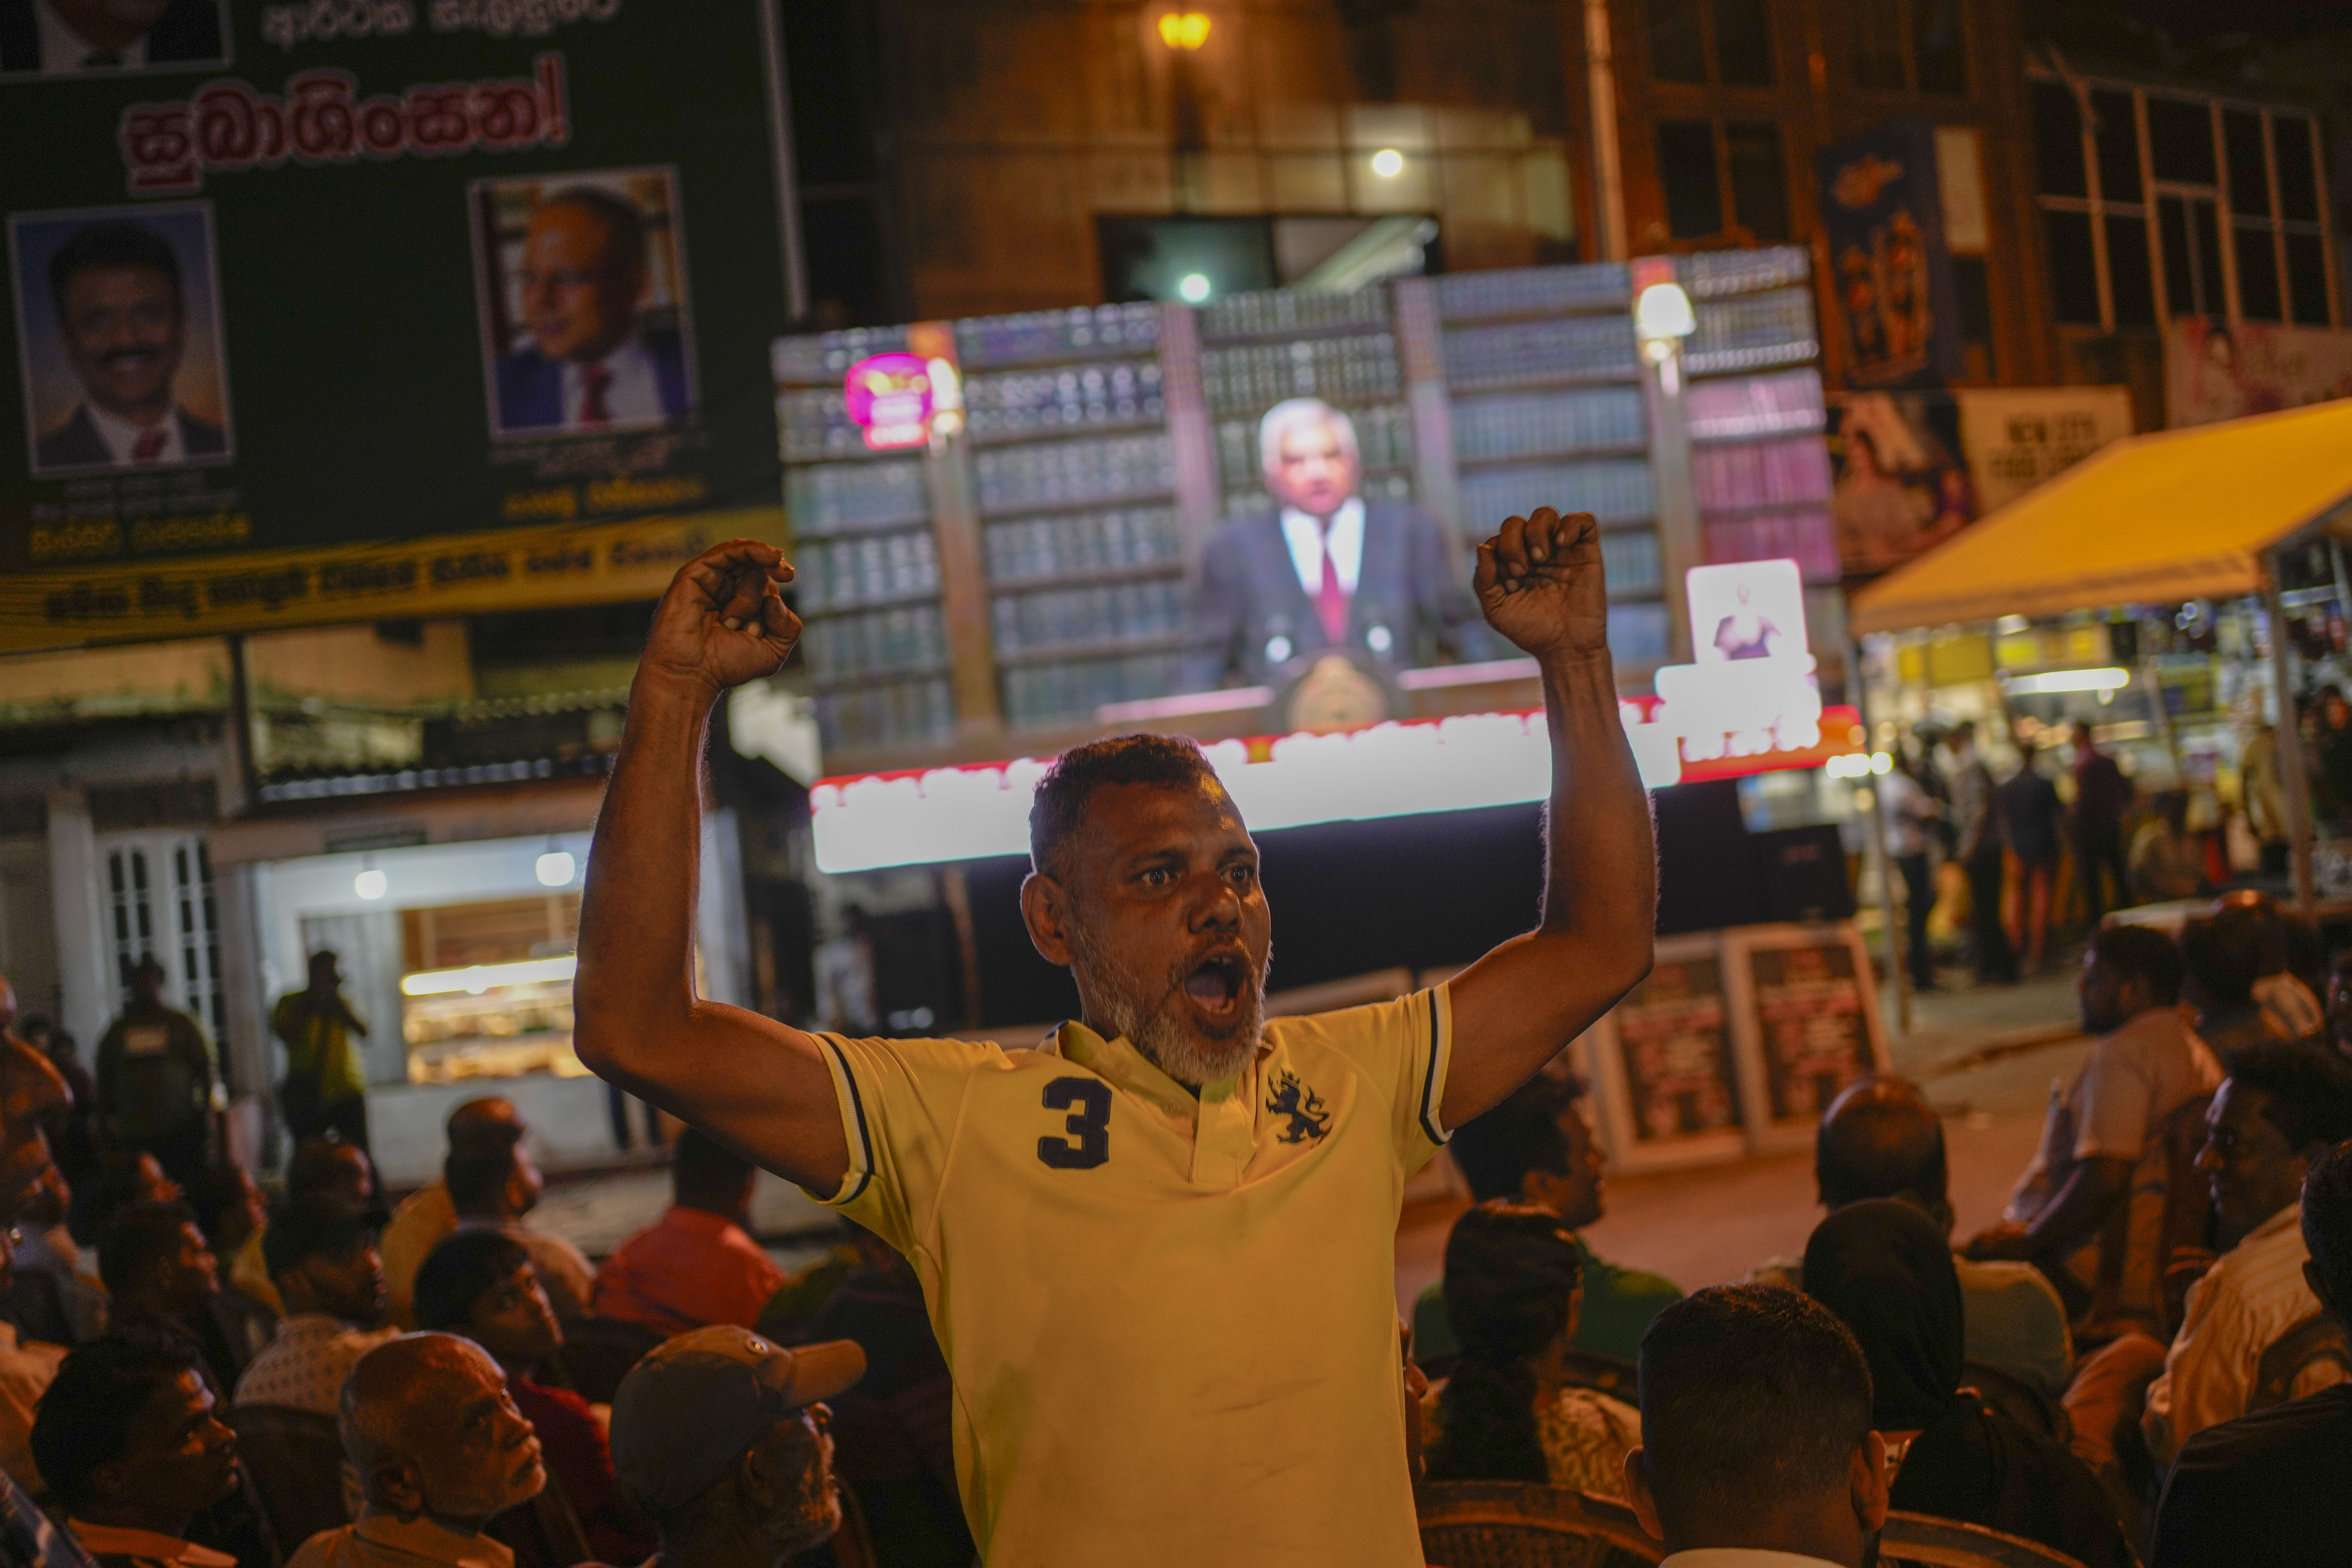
[2018, 1400]
[295, 1461]
[1609, 1374]
[599, 1351]
[2317, 1339]
[1929, 1542]
[1520, 1524]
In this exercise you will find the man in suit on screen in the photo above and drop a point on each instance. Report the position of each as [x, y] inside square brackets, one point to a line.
[1325, 570]
[67, 38]
[122, 321]
[590, 364]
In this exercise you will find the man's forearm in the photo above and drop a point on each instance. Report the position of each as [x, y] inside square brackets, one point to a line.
[636, 913]
[1601, 880]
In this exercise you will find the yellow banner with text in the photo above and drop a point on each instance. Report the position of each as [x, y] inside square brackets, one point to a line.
[507, 569]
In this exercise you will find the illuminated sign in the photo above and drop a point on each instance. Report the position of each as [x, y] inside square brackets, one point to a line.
[919, 817]
[890, 399]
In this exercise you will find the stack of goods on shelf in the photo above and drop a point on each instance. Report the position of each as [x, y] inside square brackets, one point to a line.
[1259, 350]
[870, 570]
[1545, 381]
[1758, 465]
[1075, 481]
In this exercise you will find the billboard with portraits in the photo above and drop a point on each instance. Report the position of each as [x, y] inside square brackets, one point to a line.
[362, 310]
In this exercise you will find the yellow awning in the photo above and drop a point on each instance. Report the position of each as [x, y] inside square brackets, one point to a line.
[2180, 515]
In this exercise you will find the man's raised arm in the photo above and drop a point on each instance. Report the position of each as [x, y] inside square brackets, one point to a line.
[1539, 582]
[746, 1079]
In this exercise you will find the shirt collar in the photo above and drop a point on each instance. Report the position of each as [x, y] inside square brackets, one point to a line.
[1119, 1061]
[113, 1541]
[2290, 1215]
[63, 49]
[120, 436]
[423, 1537]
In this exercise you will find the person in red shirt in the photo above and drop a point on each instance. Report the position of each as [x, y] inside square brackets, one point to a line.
[481, 1284]
[698, 1265]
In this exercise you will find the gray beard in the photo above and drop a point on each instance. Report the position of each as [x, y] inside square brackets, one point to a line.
[1135, 1007]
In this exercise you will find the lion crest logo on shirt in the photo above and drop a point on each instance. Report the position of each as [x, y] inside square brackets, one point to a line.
[1308, 1121]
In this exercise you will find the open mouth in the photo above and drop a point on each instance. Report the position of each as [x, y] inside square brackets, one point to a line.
[1217, 984]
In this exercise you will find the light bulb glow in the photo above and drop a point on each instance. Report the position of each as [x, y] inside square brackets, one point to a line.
[555, 868]
[1184, 29]
[369, 884]
[1193, 287]
[1388, 162]
[1664, 312]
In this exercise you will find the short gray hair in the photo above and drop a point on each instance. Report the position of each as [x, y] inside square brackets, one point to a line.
[1282, 416]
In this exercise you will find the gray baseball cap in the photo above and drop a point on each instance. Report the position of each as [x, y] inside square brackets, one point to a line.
[686, 1412]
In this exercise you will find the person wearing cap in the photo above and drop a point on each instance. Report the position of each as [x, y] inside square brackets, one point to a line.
[482, 1285]
[440, 1448]
[324, 1264]
[720, 1436]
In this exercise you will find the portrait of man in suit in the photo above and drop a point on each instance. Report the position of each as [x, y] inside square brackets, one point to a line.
[1323, 568]
[120, 309]
[590, 358]
[70, 38]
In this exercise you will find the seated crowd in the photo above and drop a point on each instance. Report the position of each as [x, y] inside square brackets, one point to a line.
[2148, 1359]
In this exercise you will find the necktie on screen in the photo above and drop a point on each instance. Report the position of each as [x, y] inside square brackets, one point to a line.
[596, 380]
[102, 59]
[150, 445]
[1332, 602]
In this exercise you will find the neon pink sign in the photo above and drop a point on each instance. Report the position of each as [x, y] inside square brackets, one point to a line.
[890, 400]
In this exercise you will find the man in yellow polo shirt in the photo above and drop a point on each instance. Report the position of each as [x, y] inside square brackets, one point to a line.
[1159, 1249]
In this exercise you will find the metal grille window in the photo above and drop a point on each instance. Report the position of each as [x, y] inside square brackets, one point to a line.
[1724, 43]
[1908, 45]
[2155, 204]
[160, 901]
[1702, 161]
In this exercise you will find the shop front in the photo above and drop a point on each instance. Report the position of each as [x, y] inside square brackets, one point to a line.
[454, 925]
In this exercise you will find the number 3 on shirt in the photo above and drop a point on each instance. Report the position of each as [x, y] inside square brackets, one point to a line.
[1088, 1103]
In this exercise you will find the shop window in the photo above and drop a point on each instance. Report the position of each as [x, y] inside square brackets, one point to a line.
[2250, 179]
[1759, 187]
[2180, 142]
[1727, 43]
[1677, 44]
[2258, 282]
[1743, 42]
[2117, 139]
[1877, 31]
[1686, 168]
[1939, 46]
[2073, 267]
[2298, 175]
[2058, 141]
[2306, 278]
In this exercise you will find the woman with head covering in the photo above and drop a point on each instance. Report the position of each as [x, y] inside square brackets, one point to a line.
[1514, 1282]
[1884, 1269]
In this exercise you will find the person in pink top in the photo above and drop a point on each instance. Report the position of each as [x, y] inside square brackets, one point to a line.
[698, 1265]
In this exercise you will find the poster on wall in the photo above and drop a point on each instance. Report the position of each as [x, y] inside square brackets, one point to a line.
[1672, 1062]
[326, 312]
[1896, 313]
[1900, 482]
[2214, 371]
[2015, 438]
[1816, 1024]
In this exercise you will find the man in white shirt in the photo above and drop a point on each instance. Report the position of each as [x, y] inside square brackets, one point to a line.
[1327, 570]
[590, 364]
[2100, 1145]
[1756, 1448]
[70, 38]
[324, 1263]
[122, 321]
[2281, 1107]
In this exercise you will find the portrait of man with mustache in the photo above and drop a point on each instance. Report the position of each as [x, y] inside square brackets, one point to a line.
[123, 322]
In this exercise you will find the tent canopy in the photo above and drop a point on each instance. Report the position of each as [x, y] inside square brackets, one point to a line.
[2180, 515]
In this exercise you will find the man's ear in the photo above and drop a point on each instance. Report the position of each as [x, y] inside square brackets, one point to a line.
[1866, 1479]
[2319, 1283]
[395, 1485]
[1637, 1492]
[1045, 910]
[108, 1482]
[757, 1482]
